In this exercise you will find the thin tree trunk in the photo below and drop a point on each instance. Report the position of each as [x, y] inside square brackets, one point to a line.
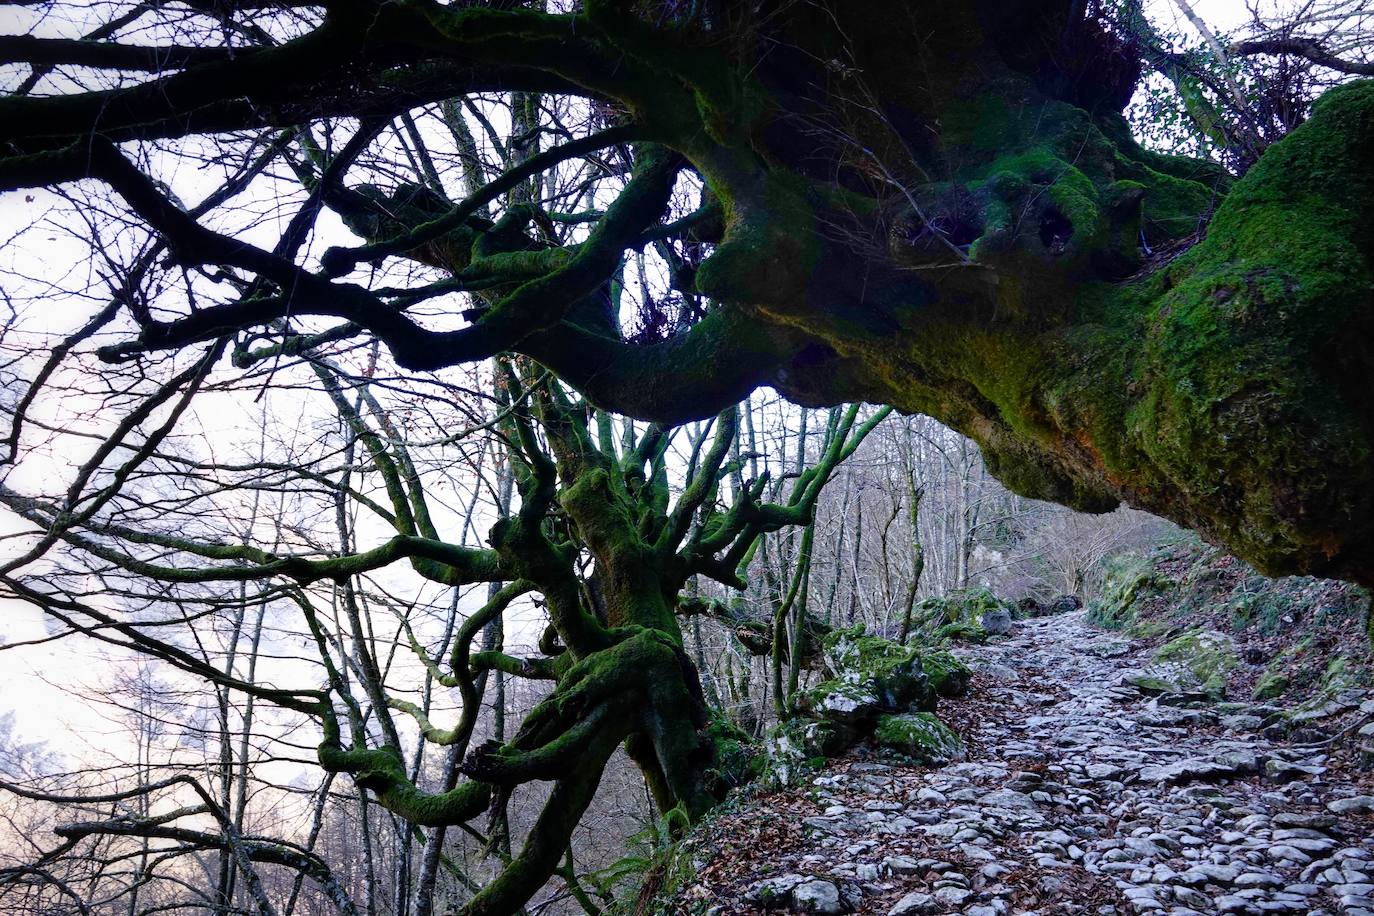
[918, 557]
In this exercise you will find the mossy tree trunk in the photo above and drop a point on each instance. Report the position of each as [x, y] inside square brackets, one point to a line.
[614, 648]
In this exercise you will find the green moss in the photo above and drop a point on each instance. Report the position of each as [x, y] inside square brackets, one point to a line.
[1340, 673]
[1271, 685]
[1244, 341]
[855, 649]
[1208, 657]
[949, 677]
[736, 758]
[885, 669]
[787, 759]
[1153, 686]
[1149, 629]
[840, 701]
[986, 124]
[1164, 389]
[963, 632]
[958, 615]
[1130, 579]
[920, 736]
[798, 746]
[767, 252]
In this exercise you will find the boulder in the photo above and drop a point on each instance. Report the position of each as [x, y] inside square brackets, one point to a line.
[1200, 660]
[915, 904]
[871, 677]
[817, 896]
[948, 676]
[959, 614]
[773, 893]
[842, 702]
[891, 671]
[1357, 804]
[920, 736]
[1064, 604]
[996, 622]
[963, 632]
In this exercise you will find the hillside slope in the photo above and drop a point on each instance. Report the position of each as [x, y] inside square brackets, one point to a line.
[1240, 635]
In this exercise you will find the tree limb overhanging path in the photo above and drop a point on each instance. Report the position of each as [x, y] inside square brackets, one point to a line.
[934, 206]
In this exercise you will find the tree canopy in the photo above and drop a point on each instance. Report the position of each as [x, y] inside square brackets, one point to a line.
[937, 207]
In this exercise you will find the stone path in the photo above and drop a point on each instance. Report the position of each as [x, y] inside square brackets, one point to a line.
[1080, 794]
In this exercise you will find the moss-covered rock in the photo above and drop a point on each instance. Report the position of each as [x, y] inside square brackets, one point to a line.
[786, 756]
[963, 632]
[948, 676]
[920, 736]
[1296, 627]
[841, 701]
[1203, 659]
[1271, 685]
[855, 649]
[737, 759]
[959, 615]
[800, 745]
[1130, 579]
[1341, 673]
[1150, 685]
[890, 671]
[872, 678]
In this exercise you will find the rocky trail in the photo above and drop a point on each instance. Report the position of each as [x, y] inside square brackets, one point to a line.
[1079, 793]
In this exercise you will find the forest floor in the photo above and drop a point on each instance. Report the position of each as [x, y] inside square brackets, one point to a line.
[1079, 793]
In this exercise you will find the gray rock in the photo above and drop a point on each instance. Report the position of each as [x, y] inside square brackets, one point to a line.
[1288, 854]
[1064, 604]
[1191, 770]
[1007, 798]
[976, 853]
[1323, 822]
[997, 622]
[1258, 879]
[953, 896]
[773, 891]
[914, 904]
[1189, 897]
[817, 896]
[1209, 873]
[902, 865]
[1284, 771]
[1241, 722]
[1103, 771]
[1353, 805]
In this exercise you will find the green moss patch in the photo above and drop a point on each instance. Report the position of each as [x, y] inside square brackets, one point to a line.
[1208, 658]
[958, 615]
[920, 736]
[948, 676]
